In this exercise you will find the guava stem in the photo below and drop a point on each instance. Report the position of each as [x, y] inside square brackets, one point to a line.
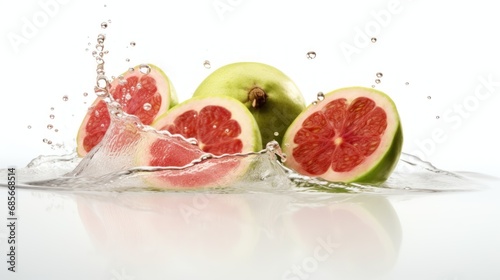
[257, 97]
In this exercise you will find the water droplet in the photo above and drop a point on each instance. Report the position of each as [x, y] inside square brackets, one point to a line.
[407, 188]
[144, 69]
[29, 126]
[377, 81]
[85, 94]
[52, 116]
[320, 96]
[100, 39]
[49, 142]
[45, 140]
[311, 55]
[121, 81]
[206, 64]
[131, 69]
[102, 84]
[214, 126]
[437, 117]
[127, 59]
[52, 108]
[89, 43]
[128, 96]
[49, 126]
[314, 102]
[132, 44]
[206, 156]
[373, 86]
[226, 130]
[138, 86]
[56, 130]
[429, 97]
[99, 60]
[407, 83]
[104, 25]
[379, 75]
[374, 40]
[105, 5]
[86, 49]
[276, 133]
[109, 21]
[65, 98]
[146, 106]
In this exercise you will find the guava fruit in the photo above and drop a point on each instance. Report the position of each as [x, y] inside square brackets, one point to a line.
[271, 96]
[144, 91]
[221, 125]
[353, 135]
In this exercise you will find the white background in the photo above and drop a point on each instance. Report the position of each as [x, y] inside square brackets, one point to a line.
[442, 50]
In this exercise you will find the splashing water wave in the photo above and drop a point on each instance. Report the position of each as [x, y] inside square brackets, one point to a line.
[111, 167]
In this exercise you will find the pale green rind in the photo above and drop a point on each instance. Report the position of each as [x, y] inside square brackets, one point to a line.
[284, 103]
[383, 169]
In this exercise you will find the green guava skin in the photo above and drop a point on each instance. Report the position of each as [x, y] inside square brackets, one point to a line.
[379, 170]
[284, 100]
[383, 169]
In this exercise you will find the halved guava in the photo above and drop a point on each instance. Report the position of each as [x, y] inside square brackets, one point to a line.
[221, 125]
[144, 91]
[353, 135]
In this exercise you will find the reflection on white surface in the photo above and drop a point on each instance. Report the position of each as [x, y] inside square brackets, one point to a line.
[214, 236]
[149, 235]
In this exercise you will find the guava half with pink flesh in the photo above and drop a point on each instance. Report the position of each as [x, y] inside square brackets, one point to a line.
[353, 135]
[144, 91]
[221, 126]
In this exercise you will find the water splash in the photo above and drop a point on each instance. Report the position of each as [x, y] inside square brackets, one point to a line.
[112, 166]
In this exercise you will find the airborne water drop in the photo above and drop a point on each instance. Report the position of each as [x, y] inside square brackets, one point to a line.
[145, 69]
[311, 55]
